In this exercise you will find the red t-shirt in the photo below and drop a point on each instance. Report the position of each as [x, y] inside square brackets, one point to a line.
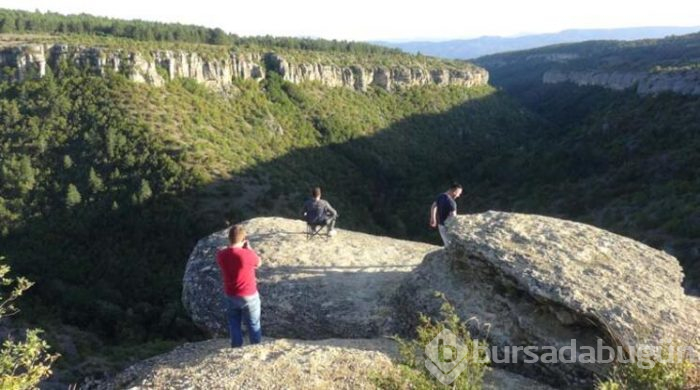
[238, 270]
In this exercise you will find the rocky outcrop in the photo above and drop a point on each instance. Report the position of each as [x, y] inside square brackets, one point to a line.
[281, 364]
[526, 280]
[315, 289]
[633, 289]
[273, 364]
[496, 311]
[685, 82]
[517, 280]
[154, 68]
[157, 66]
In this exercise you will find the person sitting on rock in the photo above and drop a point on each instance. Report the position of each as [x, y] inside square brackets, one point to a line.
[237, 263]
[317, 211]
[443, 208]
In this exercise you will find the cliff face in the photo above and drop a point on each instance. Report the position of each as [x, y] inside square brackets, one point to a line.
[155, 67]
[645, 83]
[388, 78]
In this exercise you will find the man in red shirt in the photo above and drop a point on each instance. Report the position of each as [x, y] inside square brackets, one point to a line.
[238, 262]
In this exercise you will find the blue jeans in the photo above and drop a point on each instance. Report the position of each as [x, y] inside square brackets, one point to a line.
[244, 309]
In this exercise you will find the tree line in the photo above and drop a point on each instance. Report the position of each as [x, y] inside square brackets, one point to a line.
[15, 21]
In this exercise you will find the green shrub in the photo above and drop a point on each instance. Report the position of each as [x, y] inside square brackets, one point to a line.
[665, 373]
[22, 364]
[412, 373]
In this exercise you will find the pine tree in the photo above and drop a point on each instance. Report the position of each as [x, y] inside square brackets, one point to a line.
[144, 193]
[67, 162]
[72, 196]
[95, 181]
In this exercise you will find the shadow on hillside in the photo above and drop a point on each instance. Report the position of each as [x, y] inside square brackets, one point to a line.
[384, 183]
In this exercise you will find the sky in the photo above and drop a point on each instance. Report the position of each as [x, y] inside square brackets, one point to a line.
[364, 20]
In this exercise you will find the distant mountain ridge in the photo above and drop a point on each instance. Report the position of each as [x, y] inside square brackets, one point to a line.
[649, 66]
[473, 48]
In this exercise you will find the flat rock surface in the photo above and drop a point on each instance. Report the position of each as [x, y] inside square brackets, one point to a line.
[280, 364]
[311, 289]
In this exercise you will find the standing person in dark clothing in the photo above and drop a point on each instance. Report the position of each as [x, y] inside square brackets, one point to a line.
[317, 211]
[238, 262]
[443, 208]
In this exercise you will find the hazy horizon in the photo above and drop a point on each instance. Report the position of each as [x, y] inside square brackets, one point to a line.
[436, 40]
[372, 21]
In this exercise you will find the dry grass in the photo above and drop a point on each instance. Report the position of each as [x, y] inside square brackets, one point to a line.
[693, 377]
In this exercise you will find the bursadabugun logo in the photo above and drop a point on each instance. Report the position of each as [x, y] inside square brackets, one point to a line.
[446, 357]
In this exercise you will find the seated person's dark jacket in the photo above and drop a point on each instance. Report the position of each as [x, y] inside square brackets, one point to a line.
[318, 211]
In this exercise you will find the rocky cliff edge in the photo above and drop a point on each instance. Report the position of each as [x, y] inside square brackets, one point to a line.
[157, 66]
[517, 280]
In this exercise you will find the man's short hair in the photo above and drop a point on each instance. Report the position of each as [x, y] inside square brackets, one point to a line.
[316, 192]
[236, 234]
[455, 186]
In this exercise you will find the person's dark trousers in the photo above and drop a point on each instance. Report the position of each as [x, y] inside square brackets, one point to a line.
[247, 310]
[330, 223]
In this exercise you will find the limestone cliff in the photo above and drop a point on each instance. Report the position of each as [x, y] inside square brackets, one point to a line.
[157, 66]
[685, 82]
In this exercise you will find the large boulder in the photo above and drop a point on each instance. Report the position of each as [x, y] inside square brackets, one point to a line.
[280, 364]
[524, 280]
[634, 290]
[310, 289]
[518, 280]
